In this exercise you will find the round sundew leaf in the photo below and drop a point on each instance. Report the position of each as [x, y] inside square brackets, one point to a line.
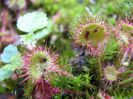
[33, 21]
[128, 29]
[35, 73]
[111, 73]
[93, 33]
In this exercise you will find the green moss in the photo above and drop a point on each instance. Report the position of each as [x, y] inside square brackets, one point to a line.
[111, 50]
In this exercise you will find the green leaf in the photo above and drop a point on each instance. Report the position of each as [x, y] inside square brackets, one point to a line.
[8, 52]
[30, 40]
[44, 32]
[33, 21]
[4, 74]
[7, 70]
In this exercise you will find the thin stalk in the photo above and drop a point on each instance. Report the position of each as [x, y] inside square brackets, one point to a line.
[129, 80]
[99, 68]
[127, 72]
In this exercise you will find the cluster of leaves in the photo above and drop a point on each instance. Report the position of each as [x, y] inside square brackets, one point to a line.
[12, 58]
[34, 24]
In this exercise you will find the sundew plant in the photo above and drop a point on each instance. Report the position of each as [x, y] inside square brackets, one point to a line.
[71, 49]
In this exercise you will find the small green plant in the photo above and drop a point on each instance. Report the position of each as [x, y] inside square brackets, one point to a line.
[111, 50]
[13, 59]
[37, 26]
